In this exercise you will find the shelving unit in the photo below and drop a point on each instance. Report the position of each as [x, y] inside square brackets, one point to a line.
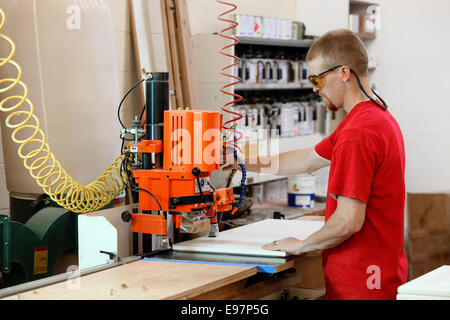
[210, 83]
[272, 86]
[275, 42]
[359, 7]
[363, 3]
[285, 143]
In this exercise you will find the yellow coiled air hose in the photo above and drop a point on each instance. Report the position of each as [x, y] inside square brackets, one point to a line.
[40, 162]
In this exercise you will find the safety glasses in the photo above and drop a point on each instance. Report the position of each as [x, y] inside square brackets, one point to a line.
[318, 80]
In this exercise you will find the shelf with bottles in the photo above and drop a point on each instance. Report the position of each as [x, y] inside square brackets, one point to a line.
[275, 30]
[271, 68]
[275, 122]
[272, 86]
[288, 112]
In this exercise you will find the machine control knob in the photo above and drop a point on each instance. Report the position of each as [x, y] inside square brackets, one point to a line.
[126, 216]
[196, 172]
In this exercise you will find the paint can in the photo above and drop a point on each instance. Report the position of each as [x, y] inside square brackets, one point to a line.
[301, 191]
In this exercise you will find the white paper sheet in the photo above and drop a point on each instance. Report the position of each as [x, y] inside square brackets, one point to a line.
[248, 239]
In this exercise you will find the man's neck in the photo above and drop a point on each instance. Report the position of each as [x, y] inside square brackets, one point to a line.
[354, 95]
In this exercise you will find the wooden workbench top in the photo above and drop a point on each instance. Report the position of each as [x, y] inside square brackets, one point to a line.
[143, 280]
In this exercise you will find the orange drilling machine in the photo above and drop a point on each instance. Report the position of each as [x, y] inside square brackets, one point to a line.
[170, 160]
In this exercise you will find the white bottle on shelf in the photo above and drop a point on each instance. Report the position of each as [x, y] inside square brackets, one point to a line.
[267, 28]
[250, 26]
[287, 29]
[258, 27]
[279, 28]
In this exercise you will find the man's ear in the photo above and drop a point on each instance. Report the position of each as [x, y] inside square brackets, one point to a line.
[344, 75]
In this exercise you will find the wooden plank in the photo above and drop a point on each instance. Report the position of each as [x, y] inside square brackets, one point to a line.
[185, 55]
[308, 274]
[175, 103]
[145, 42]
[139, 33]
[249, 239]
[241, 290]
[144, 280]
[168, 12]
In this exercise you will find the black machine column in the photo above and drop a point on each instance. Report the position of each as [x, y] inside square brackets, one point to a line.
[157, 101]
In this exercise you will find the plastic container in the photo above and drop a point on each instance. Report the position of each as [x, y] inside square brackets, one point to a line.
[301, 191]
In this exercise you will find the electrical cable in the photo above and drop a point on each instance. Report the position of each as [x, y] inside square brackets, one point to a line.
[385, 107]
[123, 138]
[124, 165]
[142, 112]
[40, 161]
[123, 100]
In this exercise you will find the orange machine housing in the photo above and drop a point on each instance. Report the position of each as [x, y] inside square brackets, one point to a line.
[192, 140]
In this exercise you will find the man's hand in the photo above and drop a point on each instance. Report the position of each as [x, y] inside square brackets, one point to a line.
[292, 246]
[229, 161]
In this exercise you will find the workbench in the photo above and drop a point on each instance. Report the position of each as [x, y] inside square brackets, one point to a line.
[265, 211]
[158, 280]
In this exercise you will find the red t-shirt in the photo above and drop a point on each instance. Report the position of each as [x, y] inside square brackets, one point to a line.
[367, 163]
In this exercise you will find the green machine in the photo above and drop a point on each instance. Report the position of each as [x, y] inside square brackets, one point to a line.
[31, 251]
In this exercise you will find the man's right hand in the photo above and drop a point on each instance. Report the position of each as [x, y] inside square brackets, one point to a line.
[228, 160]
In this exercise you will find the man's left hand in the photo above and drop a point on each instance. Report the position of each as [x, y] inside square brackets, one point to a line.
[292, 246]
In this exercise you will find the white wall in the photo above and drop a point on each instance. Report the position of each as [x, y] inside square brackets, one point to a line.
[320, 16]
[413, 45]
[120, 11]
[203, 13]
[121, 14]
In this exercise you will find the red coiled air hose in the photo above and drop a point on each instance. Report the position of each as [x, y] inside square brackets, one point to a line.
[230, 124]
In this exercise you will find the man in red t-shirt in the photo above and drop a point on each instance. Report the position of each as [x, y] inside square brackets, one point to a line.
[362, 239]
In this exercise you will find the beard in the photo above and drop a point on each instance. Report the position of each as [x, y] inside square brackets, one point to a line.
[330, 106]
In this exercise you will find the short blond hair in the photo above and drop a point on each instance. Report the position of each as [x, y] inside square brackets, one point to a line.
[340, 47]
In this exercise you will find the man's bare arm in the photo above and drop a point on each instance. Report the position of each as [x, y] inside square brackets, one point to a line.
[346, 221]
[288, 163]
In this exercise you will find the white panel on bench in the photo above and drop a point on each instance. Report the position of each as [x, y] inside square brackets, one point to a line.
[432, 285]
[248, 239]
